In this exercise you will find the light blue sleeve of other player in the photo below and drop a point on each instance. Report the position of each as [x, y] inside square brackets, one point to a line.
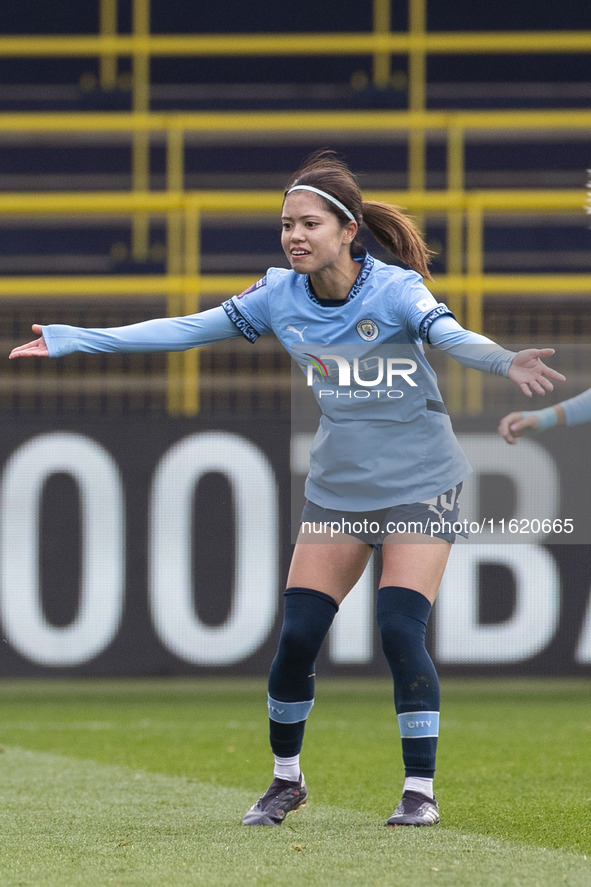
[468, 348]
[578, 409]
[162, 334]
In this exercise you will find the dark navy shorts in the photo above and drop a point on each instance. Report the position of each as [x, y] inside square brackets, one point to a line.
[437, 517]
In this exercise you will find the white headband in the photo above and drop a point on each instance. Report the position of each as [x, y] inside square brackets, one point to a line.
[332, 199]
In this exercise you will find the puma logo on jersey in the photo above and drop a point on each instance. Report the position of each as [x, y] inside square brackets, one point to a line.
[300, 333]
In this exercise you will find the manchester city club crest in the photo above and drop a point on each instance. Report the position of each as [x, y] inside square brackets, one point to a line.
[368, 330]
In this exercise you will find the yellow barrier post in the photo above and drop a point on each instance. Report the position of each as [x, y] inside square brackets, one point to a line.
[190, 401]
[175, 263]
[108, 28]
[455, 373]
[382, 24]
[474, 309]
[417, 100]
[141, 139]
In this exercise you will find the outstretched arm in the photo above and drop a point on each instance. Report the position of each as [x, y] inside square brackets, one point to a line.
[162, 334]
[525, 368]
[574, 411]
[517, 423]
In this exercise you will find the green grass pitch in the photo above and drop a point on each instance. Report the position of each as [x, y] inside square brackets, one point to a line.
[136, 783]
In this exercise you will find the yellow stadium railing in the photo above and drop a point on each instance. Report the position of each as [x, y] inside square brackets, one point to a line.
[457, 126]
[380, 45]
[298, 44]
[464, 284]
[183, 284]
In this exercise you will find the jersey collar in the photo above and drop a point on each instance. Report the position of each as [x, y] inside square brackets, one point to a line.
[367, 263]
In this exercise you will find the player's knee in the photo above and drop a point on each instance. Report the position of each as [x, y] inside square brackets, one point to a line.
[400, 636]
[402, 616]
[307, 617]
[296, 644]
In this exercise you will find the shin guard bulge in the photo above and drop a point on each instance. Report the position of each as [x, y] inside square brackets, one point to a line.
[402, 615]
[307, 617]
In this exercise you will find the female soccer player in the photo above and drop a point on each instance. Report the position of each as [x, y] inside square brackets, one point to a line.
[574, 411]
[390, 457]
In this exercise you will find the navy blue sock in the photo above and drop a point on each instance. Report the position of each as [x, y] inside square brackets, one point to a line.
[402, 617]
[307, 617]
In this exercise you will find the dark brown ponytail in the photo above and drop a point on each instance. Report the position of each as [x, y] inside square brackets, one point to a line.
[398, 233]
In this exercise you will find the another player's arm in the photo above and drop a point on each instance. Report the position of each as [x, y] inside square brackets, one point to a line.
[574, 411]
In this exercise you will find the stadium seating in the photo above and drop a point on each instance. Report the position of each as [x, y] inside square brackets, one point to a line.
[445, 153]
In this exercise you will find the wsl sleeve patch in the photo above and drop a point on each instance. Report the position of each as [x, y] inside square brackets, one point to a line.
[245, 327]
[430, 318]
[254, 287]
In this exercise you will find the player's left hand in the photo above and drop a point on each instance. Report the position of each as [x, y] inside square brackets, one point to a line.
[531, 374]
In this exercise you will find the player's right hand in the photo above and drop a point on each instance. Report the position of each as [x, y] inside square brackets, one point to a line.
[36, 348]
[513, 425]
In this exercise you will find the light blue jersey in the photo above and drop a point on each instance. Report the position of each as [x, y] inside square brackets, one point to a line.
[377, 445]
[382, 440]
[386, 304]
